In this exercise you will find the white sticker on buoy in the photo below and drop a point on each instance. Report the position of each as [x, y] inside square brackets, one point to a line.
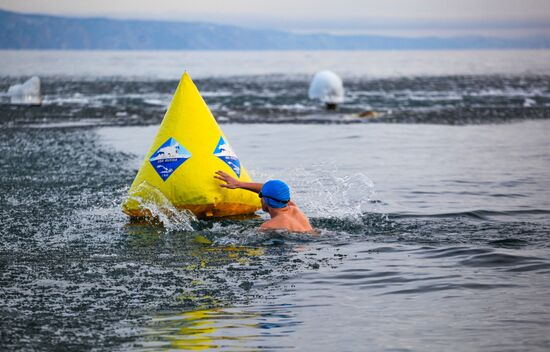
[168, 158]
[228, 156]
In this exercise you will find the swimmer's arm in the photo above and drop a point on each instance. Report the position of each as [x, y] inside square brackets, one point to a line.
[266, 226]
[250, 186]
[233, 183]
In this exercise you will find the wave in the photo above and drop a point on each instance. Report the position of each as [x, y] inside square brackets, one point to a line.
[453, 100]
[480, 214]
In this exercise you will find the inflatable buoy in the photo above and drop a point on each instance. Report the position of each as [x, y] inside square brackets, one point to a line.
[327, 87]
[188, 149]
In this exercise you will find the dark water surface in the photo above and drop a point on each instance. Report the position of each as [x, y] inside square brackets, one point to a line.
[433, 217]
[451, 100]
[431, 237]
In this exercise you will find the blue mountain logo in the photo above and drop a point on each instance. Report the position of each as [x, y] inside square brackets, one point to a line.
[228, 156]
[168, 158]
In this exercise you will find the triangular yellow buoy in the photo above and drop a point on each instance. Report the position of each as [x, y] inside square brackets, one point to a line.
[188, 149]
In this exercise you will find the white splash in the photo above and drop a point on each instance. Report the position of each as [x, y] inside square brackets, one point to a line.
[151, 200]
[323, 192]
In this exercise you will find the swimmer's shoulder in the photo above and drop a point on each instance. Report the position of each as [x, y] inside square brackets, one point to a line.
[268, 225]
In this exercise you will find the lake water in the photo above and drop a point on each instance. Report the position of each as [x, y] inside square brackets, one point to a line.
[433, 218]
[204, 64]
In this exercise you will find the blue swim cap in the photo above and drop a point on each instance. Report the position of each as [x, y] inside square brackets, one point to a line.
[276, 193]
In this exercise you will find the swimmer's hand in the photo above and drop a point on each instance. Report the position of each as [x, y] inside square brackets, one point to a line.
[230, 182]
[233, 183]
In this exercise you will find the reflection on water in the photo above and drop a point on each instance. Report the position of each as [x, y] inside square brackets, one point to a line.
[221, 328]
[218, 272]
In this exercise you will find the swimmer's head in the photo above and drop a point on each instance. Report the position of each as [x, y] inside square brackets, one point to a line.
[275, 193]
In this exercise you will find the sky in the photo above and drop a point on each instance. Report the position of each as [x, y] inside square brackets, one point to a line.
[504, 18]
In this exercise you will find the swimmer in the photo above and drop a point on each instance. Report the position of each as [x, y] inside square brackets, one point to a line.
[275, 196]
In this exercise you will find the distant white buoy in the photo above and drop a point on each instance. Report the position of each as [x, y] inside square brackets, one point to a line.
[327, 87]
[27, 93]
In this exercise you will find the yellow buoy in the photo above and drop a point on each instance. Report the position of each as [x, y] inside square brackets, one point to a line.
[179, 168]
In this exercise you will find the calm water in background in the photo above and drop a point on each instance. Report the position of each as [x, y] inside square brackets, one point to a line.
[432, 236]
[202, 64]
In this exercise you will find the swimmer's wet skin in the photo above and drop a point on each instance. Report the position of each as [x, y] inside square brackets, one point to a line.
[275, 196]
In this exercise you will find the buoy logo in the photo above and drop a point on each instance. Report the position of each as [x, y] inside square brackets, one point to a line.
[168, 158]
[228, 156]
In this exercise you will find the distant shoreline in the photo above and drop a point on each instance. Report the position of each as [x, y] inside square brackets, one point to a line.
[44, 32]
[269, 50]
